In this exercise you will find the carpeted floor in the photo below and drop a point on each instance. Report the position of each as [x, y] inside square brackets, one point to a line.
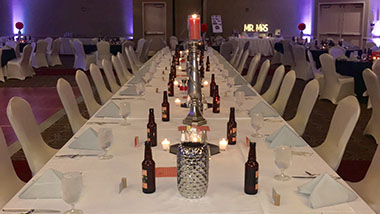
[356, 159]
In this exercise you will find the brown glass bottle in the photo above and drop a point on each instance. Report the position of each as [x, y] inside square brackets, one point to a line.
[208, 64]
[212, 85]
[171, 87]
[251, 178]
[216, 101]
[165, 108]
[148, 171]
[151, 129]
[232, 128]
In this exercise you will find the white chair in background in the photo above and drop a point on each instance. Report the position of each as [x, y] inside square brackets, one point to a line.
[2, 79]
[283, 95]
[126, 72]
[305, 107]
[15, 46]
[262, 76]
[66, 94]
[302, 67]
[82, 60]
[145, 52]
[370, 45]
[24, 124]
[173, 42]
[134, 57]
[119, 70]
[287, 58]
[140, 46]
[10, 184]
[316, 72]
[101, 88]
[271, 93]
[49, 41]
[376, 70]
[225, 50]
[39, 57]
[102, 53]
[20, 68]
[342, 124]
[253, 68]
[234, 55]
[125, 45]
[337, 52]
[336, 87]
[134, 67]
[107, 68]
[53, 54]
[87, 93]
[372, 83]
[243, 61]
[238, 58]
[31, 69]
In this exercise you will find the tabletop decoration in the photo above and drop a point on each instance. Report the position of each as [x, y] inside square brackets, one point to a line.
[177, 102]
[223, 144]
[301, 27]
[165, 144]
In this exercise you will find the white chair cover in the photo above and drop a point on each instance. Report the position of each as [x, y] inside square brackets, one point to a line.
[173, 42]
[134, 57]
[53, 55]
[238, 58]
[131, 62]
[103, 52]
[140, 46]
[243, 61]
[10, 183]
[24, 124]
[119, 70]
[262, 76]
[337, 51]
[336, 87]
[2, 79]
[288, 57]
[87, 93]
[107, 68]
[125, 45]
[253, 68]
[82, 60]
[342, 124]
[234, 55]
[145, 52]
[316, 72]
[376, 69]
[101, 88]
[283, 95]
[39, 57]
[49, 40]
[305, 107]
[271, 93]
[126, 72]
[20, 68]
[302, 67]
[70, 105]
[225, 50]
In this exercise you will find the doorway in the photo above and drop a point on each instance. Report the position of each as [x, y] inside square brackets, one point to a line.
[154, 24]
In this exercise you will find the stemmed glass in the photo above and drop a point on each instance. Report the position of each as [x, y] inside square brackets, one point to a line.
[283, 159]
[240, 97]
[105, 139]
[230, 83]
[140, 89]
[72, 185]
[125, 111]
[257, 121]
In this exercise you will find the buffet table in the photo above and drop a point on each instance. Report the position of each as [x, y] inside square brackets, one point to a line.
[226, 176]
[263, 46]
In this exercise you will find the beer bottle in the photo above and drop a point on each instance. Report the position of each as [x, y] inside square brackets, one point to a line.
[148, 171]
[232, 128]
[212, 85]
[171, 86]
[152, 129]
[216, 101]
[251, 172]
[165, 108]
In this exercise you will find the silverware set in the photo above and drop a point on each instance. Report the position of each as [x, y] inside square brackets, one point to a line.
[312, 175]
[29, 211]
[75, 155]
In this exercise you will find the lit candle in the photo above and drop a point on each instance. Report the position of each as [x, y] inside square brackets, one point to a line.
[180, 52]
[223, 144]
[194, 26]
[177, 102]
[205, 83]
[165, 144]
[176, 83]
[180, 68]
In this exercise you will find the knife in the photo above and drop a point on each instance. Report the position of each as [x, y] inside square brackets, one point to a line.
[31, 211]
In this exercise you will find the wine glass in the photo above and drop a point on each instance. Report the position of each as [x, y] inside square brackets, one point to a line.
[125, 111]
[72, 185]
[230, 83]
[257, 121]
[105, 139]
[140, 90]
[240, 97]
[283, 159]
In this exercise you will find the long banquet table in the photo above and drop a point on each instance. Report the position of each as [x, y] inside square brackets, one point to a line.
[225, 192]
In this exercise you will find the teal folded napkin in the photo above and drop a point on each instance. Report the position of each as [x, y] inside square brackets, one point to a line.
[88, 140]
[47, 186]
[130, 91]
[110, 110]
[239, 80]
[263, 108]
[326, 191]
[285, 136]
[247, 90]
[135, 80]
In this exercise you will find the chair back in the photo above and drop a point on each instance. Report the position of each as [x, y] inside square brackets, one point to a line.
[253, 68]
[131, 61]
[27, 53]
[302, 67]
[87, 93]
[243, 61]
[107, 68]
[173, 42]
[41, 47]
[49, 41]
[145, 51]
[337, 51]
[134, 56]
[234, 55]
[328, 69]
[271, 93]
[262, 76]
[24, 124]
[70, 105]
[78, 48]
[56, 46]
[97, 77]
[372, 82]
[124, 66]
[225, 50]
[312, 62]
[103, 50]
[118, 69]
[140, 46]
[238, 58]
[370, 45]
[376, 68]
[285, 91]
[288, 56]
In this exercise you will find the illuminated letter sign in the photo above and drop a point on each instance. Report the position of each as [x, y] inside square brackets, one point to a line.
[262, 28]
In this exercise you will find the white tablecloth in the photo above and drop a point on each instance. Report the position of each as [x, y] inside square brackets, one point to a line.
[226, 178]
[65, 44]
[256, 45]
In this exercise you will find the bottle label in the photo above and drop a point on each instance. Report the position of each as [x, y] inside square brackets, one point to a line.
[164, 113]
[217, 105]
[144, 179]
[233, 135]
[148, 134]
[257, 180]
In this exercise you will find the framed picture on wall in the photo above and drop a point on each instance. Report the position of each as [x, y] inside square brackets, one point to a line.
[216, 22]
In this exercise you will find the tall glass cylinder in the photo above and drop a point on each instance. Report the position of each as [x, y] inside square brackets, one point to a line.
[194, 27]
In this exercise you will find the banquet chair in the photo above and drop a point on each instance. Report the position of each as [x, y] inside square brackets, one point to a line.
[271, 93]
[20, 68]
[119, 70]
[342, 124]
[15, 46]
[372, 83]
[100, 86]
[107, 68]
[225, 50]
[2, 79]
[302, 67]
[337, 52]
[134, 58]
[163, 43]
[134, 67]
[316, 72]
[285, 90]
[376, 69]
[253, 68]
[31, 69]
[145, 52]
[24, 124]
[369, 188]
[53, 54]
[243, 61]
[10, 183]
[82, 60]
[173, 42]
[305, 107]
[238, 58]
[39, 57]
[49, 41]
[336, 86]
[140, 46]
[125, 45]
[234, 55]
[102, 53]
[122, 62]
[262, 76]
[87, 93]
[370, 45]
[66, 94]
[287, 58]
